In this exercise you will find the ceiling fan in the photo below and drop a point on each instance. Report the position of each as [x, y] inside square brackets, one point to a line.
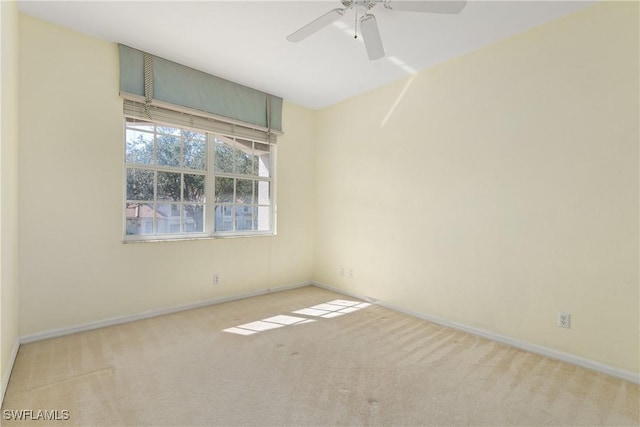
[368, 24]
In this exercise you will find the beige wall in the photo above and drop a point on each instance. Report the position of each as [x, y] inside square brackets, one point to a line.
[73, 267]
[8, 185]
[497, 189]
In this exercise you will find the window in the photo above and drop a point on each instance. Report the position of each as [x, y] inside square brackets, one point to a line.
[185, 183]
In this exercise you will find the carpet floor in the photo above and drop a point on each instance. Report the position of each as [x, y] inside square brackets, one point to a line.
[302, 357]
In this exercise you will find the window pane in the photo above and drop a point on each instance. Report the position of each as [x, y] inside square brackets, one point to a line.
[139, 218]
[263, 193]
[168, 150]
[224, 155]
[224, 218]
[224, 190]
[139, 184]
[139, 147]
[193, 218]
[263, 218]
[168, 218]
[244, 218]
[244, 157]
[244, 190]
[256, 166]
[195, 150]
[169, 186]
[168, 130]
[193, 188]
[263, 157]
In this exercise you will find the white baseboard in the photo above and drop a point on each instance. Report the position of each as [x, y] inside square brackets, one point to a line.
[533, 348]
[7, 373]
[53, 333]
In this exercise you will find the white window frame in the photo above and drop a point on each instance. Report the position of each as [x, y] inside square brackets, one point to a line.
[210, 175]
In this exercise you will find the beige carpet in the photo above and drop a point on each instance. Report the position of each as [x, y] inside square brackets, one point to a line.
[363, 366]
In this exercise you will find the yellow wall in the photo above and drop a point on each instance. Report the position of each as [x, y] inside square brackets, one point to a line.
[73, 267]
[8, 185]
[500, 190]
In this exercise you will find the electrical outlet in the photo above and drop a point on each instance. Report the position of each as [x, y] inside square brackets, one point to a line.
[341, 271]
[564, 320]
[351, 273]
[216, 279]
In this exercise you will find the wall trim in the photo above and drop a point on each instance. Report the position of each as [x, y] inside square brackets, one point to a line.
[503, 339]
[59, 332]
[9, 367]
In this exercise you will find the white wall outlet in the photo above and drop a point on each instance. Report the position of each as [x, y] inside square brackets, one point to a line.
[564, 320]
[216, 279]
[351, 273]
[341, 271]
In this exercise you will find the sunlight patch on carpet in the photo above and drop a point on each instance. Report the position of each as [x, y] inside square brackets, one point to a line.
[266, 324]
[326, 310]
[240, 331]
[333, 308]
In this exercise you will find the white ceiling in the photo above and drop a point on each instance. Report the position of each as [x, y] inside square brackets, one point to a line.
[244, 41]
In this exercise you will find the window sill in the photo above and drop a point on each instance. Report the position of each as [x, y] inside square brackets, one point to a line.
[190, 238]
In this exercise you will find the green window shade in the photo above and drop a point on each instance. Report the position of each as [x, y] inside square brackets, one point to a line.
[179, 85]
[131, 71]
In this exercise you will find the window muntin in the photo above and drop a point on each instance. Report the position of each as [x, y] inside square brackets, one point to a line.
[182, 183]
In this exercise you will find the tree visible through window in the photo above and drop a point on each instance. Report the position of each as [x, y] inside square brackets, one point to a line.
[181, 182]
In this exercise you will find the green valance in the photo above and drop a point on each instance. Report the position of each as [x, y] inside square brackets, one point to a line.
[158, 79]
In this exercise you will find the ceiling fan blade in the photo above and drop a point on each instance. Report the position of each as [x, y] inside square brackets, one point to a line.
[316, 25]
[427, 6]
[371, 36]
